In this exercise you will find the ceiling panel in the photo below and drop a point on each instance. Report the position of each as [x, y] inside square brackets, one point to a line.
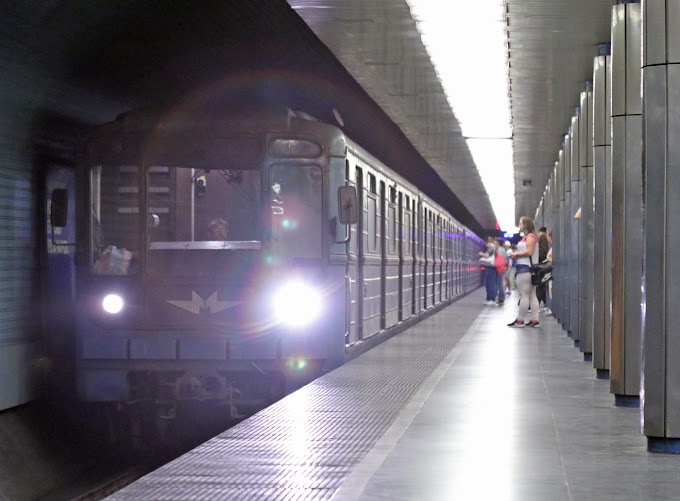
[552, 44]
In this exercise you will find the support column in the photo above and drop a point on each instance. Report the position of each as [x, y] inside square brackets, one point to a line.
[566, 234]
[558, 239]
[586, 252]
[661, 167]
[554, 225]
[602, 153]
[626, 204]
[575, 237]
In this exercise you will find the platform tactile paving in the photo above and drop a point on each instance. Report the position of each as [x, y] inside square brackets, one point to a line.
[305, 445]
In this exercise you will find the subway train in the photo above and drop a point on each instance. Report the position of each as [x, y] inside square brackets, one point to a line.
[226, 256]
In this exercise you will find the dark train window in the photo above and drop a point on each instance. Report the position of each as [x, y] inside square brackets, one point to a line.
[393, 232]
[294, 148]
[372, 186]
[407, 229]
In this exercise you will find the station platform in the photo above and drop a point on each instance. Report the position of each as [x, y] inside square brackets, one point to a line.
[459, 406]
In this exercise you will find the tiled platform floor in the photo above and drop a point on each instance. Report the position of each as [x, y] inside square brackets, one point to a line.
[458, 407]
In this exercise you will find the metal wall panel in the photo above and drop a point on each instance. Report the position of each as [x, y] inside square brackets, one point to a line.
[654, 165]
[19, 281]
[672, 242]
[654, 19]
[626, 201]
[673, 41]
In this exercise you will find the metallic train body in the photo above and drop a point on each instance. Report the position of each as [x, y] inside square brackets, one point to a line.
[167, 314]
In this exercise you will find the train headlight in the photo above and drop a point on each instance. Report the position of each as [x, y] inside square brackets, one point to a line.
[297, 304]
[112, 303]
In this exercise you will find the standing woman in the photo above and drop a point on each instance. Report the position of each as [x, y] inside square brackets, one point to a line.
[490, 274]
[527, 253]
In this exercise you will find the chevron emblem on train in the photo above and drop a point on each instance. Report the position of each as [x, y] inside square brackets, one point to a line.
[212, 305]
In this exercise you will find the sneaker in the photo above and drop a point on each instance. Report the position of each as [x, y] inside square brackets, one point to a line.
[534, 323]
[501, 303]
[517, 323]
[490, 303]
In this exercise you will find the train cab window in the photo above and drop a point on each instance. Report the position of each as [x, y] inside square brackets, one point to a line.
[202, 222]
[296, 210]
[114, 220]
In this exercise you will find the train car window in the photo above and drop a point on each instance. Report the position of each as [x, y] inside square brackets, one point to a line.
[372, 186]
[393, 232]
[407, 237]
[372, 226]
[296, 230]
[114, 220]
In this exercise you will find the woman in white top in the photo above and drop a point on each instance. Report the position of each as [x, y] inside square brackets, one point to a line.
[526, 255]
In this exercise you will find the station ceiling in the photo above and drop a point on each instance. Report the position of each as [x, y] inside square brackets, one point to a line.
[81, 62]
[552, 44]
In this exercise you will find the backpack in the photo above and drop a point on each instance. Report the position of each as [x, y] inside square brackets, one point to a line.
[500, 263]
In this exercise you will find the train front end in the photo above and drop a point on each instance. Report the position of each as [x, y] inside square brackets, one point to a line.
[202, 263]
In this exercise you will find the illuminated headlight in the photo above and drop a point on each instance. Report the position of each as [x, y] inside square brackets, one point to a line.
[112, 303]
[297, 304]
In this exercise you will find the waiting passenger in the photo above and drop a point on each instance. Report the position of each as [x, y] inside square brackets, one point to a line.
[487, 261]
[526, 255]
[543, 248]
[218, 229]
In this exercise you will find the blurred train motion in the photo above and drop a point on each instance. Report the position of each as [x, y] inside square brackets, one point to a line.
[224, 257]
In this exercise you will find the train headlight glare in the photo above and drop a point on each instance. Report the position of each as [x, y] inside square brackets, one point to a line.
[297, 304]
[112, 303]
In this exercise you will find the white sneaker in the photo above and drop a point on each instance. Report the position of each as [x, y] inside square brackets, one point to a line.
[490, 303]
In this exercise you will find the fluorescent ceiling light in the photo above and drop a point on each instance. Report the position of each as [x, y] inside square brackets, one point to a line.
[467, 43]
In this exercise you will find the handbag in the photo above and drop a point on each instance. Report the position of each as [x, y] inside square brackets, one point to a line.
[500, 263]
[539, 270]
[486, 261]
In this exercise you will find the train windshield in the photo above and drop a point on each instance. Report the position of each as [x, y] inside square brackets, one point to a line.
[114, 220]
[202, 222]
[199, 222]
[296, 213]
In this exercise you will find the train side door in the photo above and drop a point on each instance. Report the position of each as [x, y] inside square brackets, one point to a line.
[361, 223]
[383, 254]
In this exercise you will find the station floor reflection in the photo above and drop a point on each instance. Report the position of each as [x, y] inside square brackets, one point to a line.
[458, 407]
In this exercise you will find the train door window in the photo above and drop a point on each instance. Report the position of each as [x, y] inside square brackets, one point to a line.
[420, 219]
[407, 228]
[372, 227]
[296, 230]
[393, 222]
[438, 234]
[114, 219]
[430, 234]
